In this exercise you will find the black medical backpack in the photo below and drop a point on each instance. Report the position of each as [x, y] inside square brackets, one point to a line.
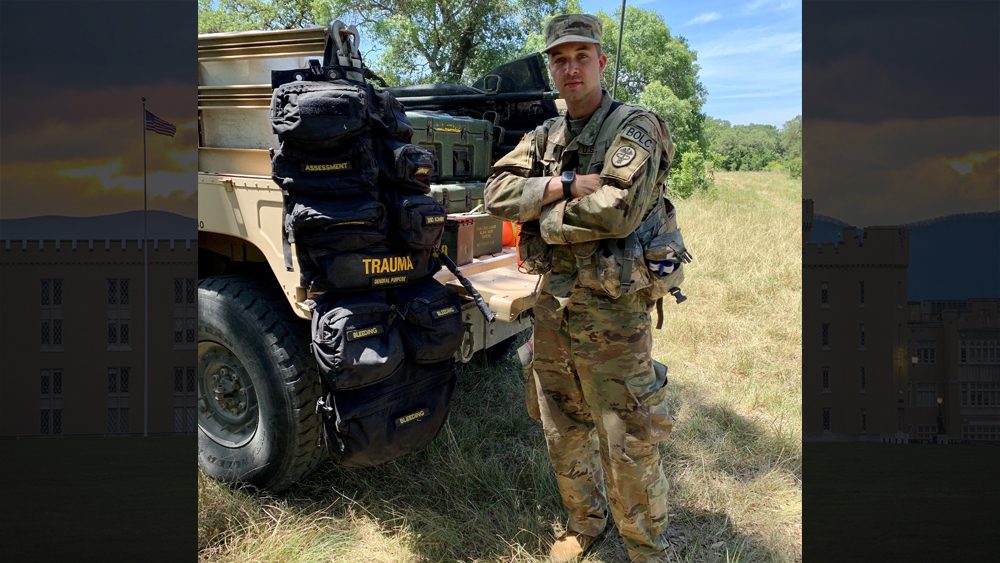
[384, 331]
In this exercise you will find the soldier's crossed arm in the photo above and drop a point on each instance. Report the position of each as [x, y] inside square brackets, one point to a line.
[628, 188]
[515, 188]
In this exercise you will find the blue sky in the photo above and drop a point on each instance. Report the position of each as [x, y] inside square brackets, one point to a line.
[750, 53]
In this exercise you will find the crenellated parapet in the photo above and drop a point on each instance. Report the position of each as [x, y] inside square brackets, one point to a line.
[94, 251]
[870, 247]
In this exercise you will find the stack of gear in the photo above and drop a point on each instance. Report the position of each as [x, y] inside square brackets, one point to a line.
[358, 210]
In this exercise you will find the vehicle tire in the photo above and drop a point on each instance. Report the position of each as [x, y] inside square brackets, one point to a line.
[501, 350]
[257, 386]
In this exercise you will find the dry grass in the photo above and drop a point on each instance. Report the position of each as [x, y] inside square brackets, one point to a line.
[484, 490]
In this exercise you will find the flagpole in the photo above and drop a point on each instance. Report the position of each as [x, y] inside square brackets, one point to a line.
[145, 286]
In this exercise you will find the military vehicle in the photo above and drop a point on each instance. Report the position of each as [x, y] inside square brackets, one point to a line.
[258, 382]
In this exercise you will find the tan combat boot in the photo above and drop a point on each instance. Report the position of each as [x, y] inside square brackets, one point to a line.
[570, 547]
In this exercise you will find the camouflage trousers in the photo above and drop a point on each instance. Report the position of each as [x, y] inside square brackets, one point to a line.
[603, 410]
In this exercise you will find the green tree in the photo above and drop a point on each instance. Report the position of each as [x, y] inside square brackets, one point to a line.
[791, 145]
[216, 16]
[649, 53]
[685, 124]
[744, 147]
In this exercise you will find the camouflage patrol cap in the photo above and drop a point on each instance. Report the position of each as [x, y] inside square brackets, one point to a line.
[569, 28]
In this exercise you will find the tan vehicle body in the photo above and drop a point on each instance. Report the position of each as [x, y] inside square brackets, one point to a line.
[240, 207]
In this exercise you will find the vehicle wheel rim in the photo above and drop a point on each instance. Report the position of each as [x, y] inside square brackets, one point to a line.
[227, 403]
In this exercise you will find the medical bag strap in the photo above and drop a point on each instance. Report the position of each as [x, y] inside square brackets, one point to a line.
[659, 313]
[286, 241]
[627, 260]
[490, 315]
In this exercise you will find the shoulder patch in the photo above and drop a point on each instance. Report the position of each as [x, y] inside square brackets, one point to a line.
[639, 136]
[627, 159]
[623, 156]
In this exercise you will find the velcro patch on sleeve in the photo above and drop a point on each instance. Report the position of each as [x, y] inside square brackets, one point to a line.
[636, 134]
[624, 159]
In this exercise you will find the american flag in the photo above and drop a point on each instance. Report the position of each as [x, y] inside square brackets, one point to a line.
[157, 125]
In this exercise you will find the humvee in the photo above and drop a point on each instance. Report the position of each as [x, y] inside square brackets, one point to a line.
[258, 384]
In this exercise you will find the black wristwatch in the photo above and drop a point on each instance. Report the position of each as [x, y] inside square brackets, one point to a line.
[567, 181]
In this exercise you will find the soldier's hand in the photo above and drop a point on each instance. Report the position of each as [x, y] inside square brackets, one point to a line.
[586, 184]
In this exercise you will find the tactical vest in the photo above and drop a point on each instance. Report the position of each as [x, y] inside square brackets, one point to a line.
[650, 258]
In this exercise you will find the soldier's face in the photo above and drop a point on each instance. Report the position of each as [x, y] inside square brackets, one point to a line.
[576, 70]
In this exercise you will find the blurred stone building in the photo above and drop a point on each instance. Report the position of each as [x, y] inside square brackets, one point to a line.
[879, 368]
[74, 311]
[955, 370]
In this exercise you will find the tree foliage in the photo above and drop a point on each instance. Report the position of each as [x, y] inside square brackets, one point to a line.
[791, 145]
[649, 53]
[757, 147]
[216, 16]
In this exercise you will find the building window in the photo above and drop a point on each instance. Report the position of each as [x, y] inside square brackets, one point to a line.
[51, 334]
[926, 432]
[826, 379]
[118, 400]
[185, 313]
[861, 293]
[825, 336]
[50, 408]
[119, 316]
[979, 351]
[863, 379]
[980, 394]
[927, 394]
[861, 335]
[981, 432]
[826, 420]
[864, 420]
[824, 294]
[185, 399]
[926, 352]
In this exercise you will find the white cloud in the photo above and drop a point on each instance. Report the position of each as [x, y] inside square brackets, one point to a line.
[745, 41]
[704, 18]
[770, 5]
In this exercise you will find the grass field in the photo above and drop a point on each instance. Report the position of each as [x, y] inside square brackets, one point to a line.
[484, 489]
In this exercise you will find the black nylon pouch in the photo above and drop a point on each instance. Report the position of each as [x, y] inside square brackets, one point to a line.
[432, 327]
[340, 225]
[401, 414]
[419, 221]
[408, 168]
[313, 115]
[355, 339]
[389, 117]
[341, 172]
[375, 267]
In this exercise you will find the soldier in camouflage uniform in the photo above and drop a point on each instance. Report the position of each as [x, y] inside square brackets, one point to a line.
[601, 403]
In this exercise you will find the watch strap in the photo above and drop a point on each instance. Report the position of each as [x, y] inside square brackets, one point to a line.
[567, 188]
